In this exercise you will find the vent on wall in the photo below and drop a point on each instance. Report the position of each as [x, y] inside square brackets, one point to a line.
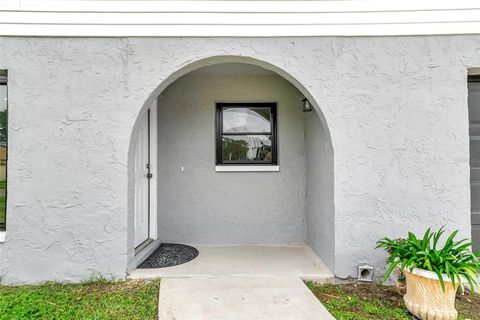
[365, 273]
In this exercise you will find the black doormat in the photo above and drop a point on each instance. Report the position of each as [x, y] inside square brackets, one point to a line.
[169, 255]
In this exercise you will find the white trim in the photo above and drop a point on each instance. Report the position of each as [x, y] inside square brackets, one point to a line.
[239, 30]
[3, 235]
[153, 170]
[237, 18]
[235, 5]
[145, 252]
[261, 19]
[244, 168]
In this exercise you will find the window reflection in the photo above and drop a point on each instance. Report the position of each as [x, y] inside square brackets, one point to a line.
[246, 148]
[244, 120]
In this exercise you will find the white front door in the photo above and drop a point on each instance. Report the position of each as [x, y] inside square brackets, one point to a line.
[142, 181]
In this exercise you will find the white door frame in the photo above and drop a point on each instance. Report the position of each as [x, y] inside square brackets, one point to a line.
[151, 115]
[154, 171]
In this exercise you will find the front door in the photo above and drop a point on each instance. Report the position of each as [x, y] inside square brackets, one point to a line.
[142, 181]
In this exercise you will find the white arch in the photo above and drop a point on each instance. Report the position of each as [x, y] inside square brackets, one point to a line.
[213, 60]
[234, 59]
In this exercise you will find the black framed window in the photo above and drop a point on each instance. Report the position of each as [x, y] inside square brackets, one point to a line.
[246, 133]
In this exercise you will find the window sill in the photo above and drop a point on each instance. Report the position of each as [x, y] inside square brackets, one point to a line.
[2, 236]
[243, 168]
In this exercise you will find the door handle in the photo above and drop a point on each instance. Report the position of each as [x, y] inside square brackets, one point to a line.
[149, 175]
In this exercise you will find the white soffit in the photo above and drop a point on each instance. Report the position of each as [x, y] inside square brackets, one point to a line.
[239, 18]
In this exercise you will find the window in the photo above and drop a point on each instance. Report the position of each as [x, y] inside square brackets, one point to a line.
[246, 134]
[3, 148]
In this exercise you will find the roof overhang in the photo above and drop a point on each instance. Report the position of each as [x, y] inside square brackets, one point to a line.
[238, 18]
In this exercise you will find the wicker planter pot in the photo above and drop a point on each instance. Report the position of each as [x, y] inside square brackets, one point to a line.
[425, 298]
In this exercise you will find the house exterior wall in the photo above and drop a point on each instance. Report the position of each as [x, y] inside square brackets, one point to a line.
[396, 110]
[202, 206]
[319, 206]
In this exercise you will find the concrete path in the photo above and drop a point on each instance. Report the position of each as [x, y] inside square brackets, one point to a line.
[238, 298]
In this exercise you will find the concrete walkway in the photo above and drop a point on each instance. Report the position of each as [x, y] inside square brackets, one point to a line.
[241, 282]
[238, 298]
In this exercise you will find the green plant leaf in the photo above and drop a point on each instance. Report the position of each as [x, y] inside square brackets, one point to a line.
[439, 274]
[455, 259]
[390, 269]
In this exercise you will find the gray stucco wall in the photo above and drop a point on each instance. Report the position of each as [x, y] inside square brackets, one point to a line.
[320, 211]
[202, 206]
[396, 110]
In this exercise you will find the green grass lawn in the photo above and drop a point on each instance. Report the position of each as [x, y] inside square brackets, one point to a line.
[377, 302]
[95, 300]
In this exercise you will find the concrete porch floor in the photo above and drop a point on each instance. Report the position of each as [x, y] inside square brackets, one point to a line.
[241, 283]
[251, 261]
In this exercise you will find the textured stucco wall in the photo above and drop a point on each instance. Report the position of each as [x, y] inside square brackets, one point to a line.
[396, 110]
[68, 141]
[202, 206]
[319, 206]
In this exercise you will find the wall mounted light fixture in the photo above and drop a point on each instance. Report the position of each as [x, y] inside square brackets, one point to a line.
[307, 106]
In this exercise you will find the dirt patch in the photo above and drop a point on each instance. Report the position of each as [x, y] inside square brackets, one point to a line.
[469, 305]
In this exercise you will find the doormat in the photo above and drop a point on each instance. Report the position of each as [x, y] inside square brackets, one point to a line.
[169, 255]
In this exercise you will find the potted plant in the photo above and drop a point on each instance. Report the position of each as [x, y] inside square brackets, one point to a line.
[433, 274]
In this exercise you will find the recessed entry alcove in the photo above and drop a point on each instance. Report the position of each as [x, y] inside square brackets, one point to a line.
[234, 159]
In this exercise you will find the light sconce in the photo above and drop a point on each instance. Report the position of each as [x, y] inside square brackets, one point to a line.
[307, 106]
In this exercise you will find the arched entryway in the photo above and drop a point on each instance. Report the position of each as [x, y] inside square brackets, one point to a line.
[282, 192]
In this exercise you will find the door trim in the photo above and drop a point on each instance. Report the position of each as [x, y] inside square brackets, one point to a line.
[153, 170]
[152, 183]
